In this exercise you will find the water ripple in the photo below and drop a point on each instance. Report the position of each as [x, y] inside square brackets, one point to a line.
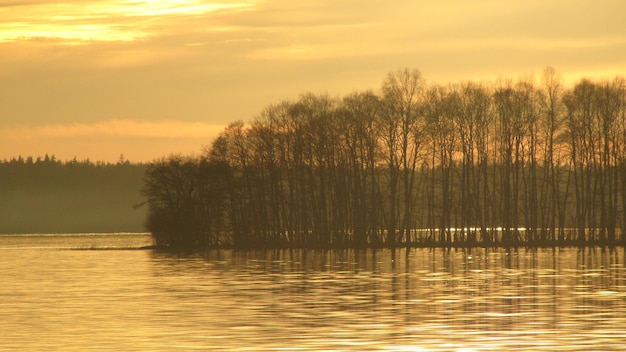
[424, 300]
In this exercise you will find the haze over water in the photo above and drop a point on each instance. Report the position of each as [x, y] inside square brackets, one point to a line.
[55, 297]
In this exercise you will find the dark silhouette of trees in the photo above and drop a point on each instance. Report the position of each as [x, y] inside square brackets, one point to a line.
[466, 164]
[403, 124]
[553, 199]
[186, 198]
[472, 105]
[441, 118]
[595, 114]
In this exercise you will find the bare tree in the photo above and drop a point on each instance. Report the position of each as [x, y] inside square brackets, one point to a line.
[441, 109]
[473, 125]
[403, 128]
[583, 131]
[360, 112]
[554, 199]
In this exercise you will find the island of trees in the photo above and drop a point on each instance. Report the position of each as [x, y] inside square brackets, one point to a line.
[414, 164]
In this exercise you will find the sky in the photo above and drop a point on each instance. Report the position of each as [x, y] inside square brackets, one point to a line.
[96, 79]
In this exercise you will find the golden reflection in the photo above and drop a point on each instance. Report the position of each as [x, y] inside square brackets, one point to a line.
[273, 300]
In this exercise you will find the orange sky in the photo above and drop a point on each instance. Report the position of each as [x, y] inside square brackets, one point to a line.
[99, 78]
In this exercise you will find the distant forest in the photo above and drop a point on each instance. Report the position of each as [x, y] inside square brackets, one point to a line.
[46, 195]
[506, 162]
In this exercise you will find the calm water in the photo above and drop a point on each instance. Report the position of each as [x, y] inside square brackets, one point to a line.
[54, 297]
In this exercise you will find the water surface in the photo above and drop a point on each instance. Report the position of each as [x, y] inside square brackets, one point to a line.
[58, 293]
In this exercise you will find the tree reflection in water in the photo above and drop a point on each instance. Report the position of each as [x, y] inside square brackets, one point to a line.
[431, 298]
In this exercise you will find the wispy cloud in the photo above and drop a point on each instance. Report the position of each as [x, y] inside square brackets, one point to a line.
[128, 129]
[105, 20]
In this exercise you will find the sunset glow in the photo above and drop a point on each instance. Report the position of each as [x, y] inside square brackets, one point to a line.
[98, 20]
[187, 62]
[106, 140]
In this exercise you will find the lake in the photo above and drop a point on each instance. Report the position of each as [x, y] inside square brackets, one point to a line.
[97, 292]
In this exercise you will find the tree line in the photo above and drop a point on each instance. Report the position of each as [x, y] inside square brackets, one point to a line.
[47, 195]
[414, 163]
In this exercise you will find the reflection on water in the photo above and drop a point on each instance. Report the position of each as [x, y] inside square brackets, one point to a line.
[428, 300]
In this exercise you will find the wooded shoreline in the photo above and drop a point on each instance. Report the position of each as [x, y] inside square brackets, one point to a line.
[47, 195]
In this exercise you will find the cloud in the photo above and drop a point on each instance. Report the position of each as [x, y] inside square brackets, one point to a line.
[225, 60]
[105, 20]
[128, 129]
